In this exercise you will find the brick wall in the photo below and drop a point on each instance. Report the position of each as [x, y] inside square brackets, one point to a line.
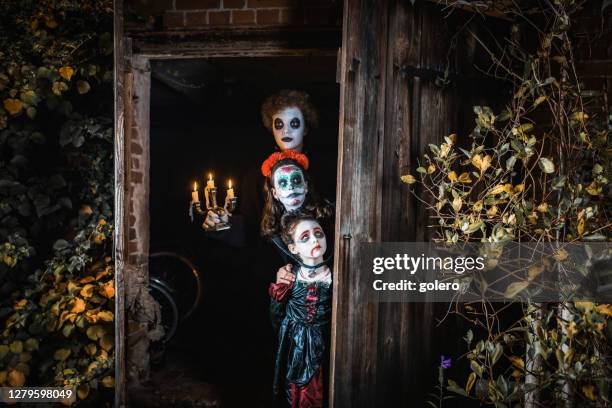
[199, 14]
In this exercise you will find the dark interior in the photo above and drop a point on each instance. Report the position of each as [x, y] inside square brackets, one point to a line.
[205, 117]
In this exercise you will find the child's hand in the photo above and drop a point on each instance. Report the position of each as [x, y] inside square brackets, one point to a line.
[284, 275]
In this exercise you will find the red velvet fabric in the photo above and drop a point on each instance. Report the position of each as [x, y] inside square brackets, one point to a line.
[309, 395]
[279, 291]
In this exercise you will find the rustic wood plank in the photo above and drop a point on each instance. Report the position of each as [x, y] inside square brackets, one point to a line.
[119, 211]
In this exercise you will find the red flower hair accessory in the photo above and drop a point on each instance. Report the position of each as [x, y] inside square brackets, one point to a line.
[270, 162]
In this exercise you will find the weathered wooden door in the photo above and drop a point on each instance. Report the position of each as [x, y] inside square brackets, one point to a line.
[391, 108]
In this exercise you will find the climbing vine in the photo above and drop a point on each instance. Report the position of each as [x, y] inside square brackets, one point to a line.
[56, 194]
[537, 170]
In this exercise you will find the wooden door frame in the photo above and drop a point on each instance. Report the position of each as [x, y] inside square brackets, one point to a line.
[133, 56]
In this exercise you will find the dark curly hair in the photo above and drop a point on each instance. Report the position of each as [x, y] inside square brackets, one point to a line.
[274, 209]
[288, 98]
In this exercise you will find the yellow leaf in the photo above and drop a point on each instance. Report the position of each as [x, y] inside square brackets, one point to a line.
[579, 116]
[105, 316]
[481, 163]
[16, 347]
[87, 279]
[62, 354]
[107, 342]
[16, 378]
[605, 310]
[539, 100]
[87, 290]
[589, 392]
[108, 289]
[465, 178]
[542, 207]
[498, 189]
[83, 87]
[517, 362]
[594, 189]
[50, 22]
[581, 226]
[586, 307]
[534, 271]
[452, 176]
[470, 382]
[58, 87]
[457, 203]
[519, 188]
[108, 381]
[20, 304]
[13, 106]
[78, 306]
[477, 206]
[571, 328]
[491, 212]
[514, 288]
[83, 391]
[408, 179]
[431, 169]
[66, 72]
[560, 255]
[91, 349]
[95, 332]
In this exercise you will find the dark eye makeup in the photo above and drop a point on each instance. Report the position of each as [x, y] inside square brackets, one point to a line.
[295, 123]
[278, 124]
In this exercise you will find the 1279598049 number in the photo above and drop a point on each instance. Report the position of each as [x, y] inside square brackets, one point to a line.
[36, 394]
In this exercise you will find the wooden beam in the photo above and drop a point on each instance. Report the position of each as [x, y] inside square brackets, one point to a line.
[243, 42]
[120, 247]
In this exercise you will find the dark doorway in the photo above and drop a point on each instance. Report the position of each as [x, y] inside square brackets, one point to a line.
[205, 117]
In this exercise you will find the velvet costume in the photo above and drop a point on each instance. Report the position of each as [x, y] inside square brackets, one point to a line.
[302, 313]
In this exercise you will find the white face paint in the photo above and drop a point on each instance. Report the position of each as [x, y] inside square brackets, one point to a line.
[309, 241]
[290, 186]
[289, 129]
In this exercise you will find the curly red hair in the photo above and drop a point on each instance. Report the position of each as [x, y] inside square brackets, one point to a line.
[288, 98]
[270, 162]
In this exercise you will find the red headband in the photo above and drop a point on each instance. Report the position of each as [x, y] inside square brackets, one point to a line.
[270, 162]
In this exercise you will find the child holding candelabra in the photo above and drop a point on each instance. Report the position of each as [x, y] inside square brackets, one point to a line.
[303, 308]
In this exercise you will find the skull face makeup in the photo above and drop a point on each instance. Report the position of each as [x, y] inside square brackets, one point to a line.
[290, 186]
[309, 242]
[289, 129]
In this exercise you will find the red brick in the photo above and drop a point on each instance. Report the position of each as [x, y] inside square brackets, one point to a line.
[132, 247]
[197, 4]
[218, 17]
[243, 17]
[135, 148]
[196, 19]
[173, 19]
[291, 16]
[271, 3]
[268, 17]
[233, 4]
[136, 177]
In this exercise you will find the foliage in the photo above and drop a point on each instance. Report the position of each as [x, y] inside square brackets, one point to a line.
[536, 171]
[56, 192]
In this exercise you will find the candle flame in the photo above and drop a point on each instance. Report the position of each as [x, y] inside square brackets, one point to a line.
[195, 186]
[230, 183]
[210, 176]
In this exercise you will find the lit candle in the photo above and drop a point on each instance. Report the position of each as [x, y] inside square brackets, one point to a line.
[230, 191]
[195, 195]
[210, 183]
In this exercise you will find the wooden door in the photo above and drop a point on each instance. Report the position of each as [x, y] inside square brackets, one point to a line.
[391, 108]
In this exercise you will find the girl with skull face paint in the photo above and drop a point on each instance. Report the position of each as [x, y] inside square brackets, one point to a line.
[304, 306]
[288, 188]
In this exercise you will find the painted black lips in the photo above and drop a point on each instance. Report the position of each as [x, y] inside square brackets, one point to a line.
[287, 139]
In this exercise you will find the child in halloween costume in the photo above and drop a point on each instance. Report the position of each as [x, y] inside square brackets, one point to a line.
[304, 306]
[287, 187]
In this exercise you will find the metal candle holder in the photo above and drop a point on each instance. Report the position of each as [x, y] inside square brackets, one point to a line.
[210, 195]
